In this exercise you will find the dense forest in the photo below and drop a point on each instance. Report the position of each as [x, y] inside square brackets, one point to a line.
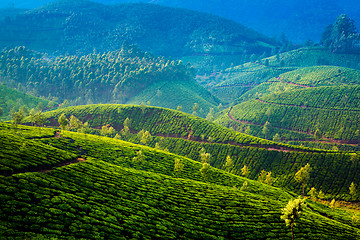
[109, 77]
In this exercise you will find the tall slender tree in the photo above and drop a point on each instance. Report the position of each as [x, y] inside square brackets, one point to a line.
[291, 213]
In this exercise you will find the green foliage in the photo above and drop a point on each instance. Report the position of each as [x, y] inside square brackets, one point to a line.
[17, 117]
[313, 193]
[178, 167]
[14, 99]
[353, 191]
[291, 213]
[63, 121]
[110, 77]
[228, 163]
[333, 204]
[303, 175]
[245, 171]
[341, 36]
[146, 138]
[205, 171]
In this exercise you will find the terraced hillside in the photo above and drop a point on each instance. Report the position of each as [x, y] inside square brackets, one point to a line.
[300, 102]
[102, 197]
[182, 94]
[186, 135]
[238, 80]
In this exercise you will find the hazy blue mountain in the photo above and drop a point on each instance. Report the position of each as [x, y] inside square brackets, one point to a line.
[82, 26]
[298, 19]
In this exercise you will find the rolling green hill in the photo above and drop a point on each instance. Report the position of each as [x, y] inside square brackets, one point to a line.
[119, 198]
[239, 81]
[299, 102]
[186, 135]
[82, 26]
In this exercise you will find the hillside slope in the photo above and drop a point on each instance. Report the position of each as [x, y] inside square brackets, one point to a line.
[321, 98]
[82, 26]
[93, 198]
[186, 135]
[235, 82]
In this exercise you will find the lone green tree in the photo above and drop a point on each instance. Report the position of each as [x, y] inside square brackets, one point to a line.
[291, 213]
[277, 138]
[195, 108]
[313, 193]
[104, 130]
[204, 156]
[63, 122]
[333, 204]
[266, 129]
[32, 116]
[210, 115]
[228, 163]
[17, 117]
[205, 171]
[146, 138]
[302, 176]
[245, 171]
[178, 167]
[352, 190]
[85, 129]
[74, 123]
[265, 177]
[139, 158]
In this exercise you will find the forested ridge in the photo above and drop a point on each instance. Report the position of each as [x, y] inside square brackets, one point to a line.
[109, 77]
[82, 26]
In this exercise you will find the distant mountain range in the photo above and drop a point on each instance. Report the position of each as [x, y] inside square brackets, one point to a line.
[84, 26]
[298, 20]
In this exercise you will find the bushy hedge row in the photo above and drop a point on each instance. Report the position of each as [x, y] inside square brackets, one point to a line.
[96, 200]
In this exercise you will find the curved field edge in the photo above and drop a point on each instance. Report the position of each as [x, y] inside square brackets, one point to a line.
[333, 171]
[159, 121]
[97, 198]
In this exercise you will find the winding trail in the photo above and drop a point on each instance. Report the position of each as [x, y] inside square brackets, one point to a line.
[327, 140]
[46, 169]
[309, 107]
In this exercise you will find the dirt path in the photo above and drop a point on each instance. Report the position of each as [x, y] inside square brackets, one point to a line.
[325, 140]
[293, 105]
[45, 170]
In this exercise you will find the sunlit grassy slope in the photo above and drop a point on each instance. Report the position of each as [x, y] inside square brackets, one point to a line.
[186, 135]
[239, 80]
[99, 197]
[299, 102]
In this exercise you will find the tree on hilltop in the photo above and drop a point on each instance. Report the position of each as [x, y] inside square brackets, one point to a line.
[63, 122]
[342, 36]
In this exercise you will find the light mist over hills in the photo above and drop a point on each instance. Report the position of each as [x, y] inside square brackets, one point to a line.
[298, 20]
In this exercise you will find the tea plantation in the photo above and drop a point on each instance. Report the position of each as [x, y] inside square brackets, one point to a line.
[101, 198]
